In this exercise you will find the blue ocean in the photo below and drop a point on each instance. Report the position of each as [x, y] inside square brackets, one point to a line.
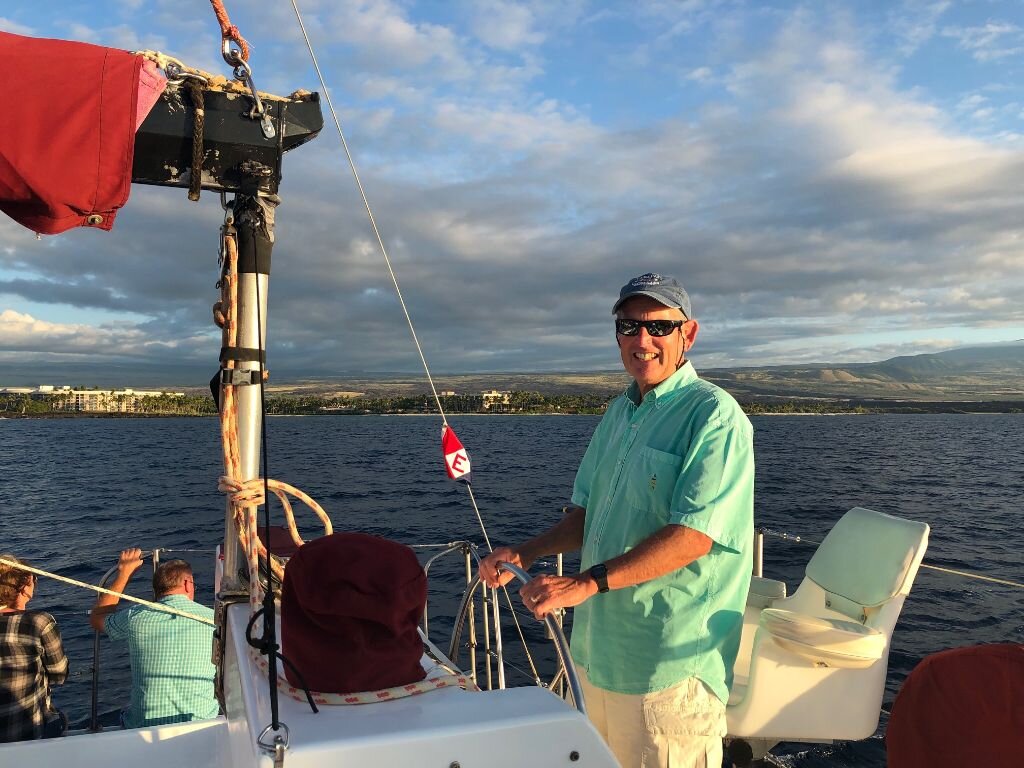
[73, 492]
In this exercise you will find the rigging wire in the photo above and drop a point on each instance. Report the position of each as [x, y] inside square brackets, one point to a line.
[965, 574]
[369, 212]
[394, 280]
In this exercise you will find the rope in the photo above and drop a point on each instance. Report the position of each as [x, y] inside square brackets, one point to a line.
[195, 180]
[229, 31]
[163, 61]
[105, 591]
[964, 574]
[973, 576]
[366, 697]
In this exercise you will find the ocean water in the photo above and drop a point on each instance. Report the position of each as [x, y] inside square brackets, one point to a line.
[74, 492]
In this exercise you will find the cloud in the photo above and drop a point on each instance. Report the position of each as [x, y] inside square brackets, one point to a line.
[21, 332]
[990, 41]
[809, 191]
[505, 25]
[700, 75]
[8, 25]
[915, 22]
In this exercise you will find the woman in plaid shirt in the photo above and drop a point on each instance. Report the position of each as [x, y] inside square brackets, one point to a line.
[31, 660]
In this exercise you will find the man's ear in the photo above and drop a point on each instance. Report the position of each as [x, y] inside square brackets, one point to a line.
[689, 332]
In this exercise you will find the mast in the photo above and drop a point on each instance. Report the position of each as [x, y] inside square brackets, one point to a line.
[237, 154]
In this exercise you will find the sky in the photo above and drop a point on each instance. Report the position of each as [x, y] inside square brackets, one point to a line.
[831, 181]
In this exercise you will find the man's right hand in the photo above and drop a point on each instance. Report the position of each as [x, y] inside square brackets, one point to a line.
[129, 561]
[489, 573]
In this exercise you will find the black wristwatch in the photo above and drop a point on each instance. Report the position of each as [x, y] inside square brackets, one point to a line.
[599, 573]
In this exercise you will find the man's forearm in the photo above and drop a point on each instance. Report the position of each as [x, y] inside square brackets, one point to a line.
[666, 550]
[565, 536]
[118, 585]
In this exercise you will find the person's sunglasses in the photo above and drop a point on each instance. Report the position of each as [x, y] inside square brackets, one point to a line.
[654, 327]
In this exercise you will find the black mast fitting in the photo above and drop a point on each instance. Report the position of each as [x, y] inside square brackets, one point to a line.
[237, 156]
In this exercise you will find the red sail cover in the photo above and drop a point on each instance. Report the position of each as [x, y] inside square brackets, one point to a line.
[959, 708]
[350, 607]
[68, 135]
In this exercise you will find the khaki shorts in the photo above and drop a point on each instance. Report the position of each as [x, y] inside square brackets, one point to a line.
[678, 727]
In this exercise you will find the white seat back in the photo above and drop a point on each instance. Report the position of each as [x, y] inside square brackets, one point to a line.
[866, 560]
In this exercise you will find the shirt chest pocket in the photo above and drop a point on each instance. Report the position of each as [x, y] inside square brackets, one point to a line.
[653, 479]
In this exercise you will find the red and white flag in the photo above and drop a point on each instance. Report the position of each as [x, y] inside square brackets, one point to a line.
[456, 460]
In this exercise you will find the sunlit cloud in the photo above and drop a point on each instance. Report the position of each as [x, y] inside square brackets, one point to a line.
[810, 175]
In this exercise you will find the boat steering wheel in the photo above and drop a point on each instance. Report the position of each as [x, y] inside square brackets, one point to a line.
[557, 636]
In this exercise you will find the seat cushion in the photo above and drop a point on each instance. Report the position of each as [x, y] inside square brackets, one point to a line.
[836, 642]
[764, 592]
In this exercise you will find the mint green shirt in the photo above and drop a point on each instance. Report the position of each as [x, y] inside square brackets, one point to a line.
[683, 456]
[172, 674]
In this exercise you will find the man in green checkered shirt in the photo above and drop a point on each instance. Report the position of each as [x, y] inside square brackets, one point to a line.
[172, 675]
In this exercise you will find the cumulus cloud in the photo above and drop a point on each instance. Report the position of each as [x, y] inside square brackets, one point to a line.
[809, 192]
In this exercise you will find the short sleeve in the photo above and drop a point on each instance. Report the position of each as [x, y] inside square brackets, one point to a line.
[714, 493]
[116, 624]
[584, 482]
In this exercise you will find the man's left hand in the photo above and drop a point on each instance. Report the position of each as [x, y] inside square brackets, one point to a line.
[546, 593]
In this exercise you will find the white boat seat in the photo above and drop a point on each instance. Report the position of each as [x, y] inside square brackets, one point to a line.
[812, 666]
[763, 592]
[834, 642]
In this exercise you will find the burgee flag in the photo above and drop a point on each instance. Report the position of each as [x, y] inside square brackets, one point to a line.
[456, 460]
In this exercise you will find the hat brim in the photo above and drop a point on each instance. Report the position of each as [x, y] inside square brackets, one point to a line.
[650, 294]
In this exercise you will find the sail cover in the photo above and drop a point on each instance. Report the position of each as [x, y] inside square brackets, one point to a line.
[68, 138]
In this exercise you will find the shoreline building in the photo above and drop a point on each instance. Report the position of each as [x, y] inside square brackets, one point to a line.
[65, 398]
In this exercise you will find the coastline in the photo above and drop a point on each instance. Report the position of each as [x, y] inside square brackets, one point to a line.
[904, 409]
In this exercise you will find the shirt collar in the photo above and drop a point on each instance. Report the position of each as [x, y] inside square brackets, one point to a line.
[173, 598]
[678, 380]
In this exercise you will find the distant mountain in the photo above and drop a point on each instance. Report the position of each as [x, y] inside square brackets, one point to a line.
[981, 373]
[1003, 359]
[107, 375]
[991, 372]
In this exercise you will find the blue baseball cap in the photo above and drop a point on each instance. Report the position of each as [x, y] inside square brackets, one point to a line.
[664, 290]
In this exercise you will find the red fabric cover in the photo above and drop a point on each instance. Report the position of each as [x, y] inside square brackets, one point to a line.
[68, 135]
[960, 708]
[281, 543]
[350, 605]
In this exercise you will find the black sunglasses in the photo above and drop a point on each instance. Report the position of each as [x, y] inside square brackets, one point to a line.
[654, 327]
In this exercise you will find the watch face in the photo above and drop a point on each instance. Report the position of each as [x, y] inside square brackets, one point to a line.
[600, 574]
